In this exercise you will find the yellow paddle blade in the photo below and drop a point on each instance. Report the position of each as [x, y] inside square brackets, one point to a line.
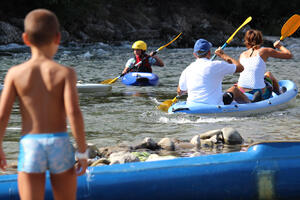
[290, 26]
[106, 81]
[109, 81]
[160, 48]
[241, 26]
[164, 106]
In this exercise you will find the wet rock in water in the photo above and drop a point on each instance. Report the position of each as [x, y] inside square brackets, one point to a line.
[167, 144]
[122, 157]
[107, 151]
[93, 150]
[100, 162]
[184, 145]
[143, 156]
[207, 143]
[209, 134]
[196, 140]
[231, 136]
[155, 157]
[148, 143]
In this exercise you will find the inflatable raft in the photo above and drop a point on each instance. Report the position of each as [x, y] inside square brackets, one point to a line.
[93, 88]
[140, 79]
[264, 171]
[276, 102]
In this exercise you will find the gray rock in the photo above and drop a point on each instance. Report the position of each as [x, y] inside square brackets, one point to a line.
[155, 157]
[93, 150]
[209, 134]
[184, 145]
[106, 151]
[99, 162]
[167, 144]
[231, 136]
[196, 141]
[207, 144]
[148, 143]
[122, 157]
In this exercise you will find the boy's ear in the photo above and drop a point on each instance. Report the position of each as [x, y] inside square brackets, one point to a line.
[25, 39]
[57, 38]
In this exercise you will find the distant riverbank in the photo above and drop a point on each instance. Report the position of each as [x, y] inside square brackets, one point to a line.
[153, 21]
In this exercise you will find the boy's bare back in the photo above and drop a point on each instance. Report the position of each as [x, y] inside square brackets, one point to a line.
[43, 88]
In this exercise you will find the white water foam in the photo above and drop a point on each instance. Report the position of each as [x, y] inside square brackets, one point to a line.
[183, 120]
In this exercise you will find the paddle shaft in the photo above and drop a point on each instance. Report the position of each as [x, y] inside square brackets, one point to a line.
[231, 37]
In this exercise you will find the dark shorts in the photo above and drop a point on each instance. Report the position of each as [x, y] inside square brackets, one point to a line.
[266, 92]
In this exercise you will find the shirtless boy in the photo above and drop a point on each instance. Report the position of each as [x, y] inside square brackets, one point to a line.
[47, 95]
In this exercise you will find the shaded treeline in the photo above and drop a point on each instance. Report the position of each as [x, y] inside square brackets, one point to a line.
[172, 15]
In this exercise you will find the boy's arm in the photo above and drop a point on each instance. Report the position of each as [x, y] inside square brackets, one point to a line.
[74, 116]
[8, 97]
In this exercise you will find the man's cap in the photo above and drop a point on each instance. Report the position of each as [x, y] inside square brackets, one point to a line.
[202, 46]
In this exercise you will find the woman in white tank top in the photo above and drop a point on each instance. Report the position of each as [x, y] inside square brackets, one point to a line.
[254, 59]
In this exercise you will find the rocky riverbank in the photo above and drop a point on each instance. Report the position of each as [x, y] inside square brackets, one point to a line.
[156, 22]
[216, 141]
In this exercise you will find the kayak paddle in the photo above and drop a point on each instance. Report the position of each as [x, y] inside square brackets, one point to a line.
[110, 81]
[164, 106]
[231, 37]
[290, 26]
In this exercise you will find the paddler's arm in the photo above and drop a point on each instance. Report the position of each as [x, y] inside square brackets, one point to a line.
[180, 92]
[159, 61]
[239, 67]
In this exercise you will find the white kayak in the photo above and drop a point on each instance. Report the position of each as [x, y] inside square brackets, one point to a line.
[89, 88]
[93, 88]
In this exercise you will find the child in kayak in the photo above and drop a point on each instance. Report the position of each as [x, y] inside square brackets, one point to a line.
[47, 94]
[139, 51]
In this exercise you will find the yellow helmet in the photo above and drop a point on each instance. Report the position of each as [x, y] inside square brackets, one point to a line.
[140, 45]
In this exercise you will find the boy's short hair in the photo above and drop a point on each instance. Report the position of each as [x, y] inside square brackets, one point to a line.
[41, 26]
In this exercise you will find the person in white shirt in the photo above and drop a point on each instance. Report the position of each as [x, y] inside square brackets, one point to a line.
[202, 79]
[254, 78]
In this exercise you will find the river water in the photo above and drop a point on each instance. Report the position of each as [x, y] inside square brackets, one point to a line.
[129, 114]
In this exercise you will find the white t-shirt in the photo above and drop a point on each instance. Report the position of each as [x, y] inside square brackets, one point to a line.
[254, 71]
[202, 80]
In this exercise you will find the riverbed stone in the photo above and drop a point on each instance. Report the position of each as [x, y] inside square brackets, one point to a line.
[107, 151]
[184, 145]
[156, 157]
[209, 134]
[100, 162]
[196, 140]
[167, 144]
[147, 143]
[93, 150]
[231, 136]
[122, 157]
[207, 143]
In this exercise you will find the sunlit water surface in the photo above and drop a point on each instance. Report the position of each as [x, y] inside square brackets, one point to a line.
[128, 114]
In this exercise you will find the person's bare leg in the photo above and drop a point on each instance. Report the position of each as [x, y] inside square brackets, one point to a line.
[64, 184]
[238, 96]
[31, 185]
[275, 82]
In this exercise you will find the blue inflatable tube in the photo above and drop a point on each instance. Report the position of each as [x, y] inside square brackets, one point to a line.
[265, 171]
[274, 103]
[140, 79]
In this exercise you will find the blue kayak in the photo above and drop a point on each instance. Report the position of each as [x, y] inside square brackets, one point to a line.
[265, 171]
[140, 79]
[276, 102]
